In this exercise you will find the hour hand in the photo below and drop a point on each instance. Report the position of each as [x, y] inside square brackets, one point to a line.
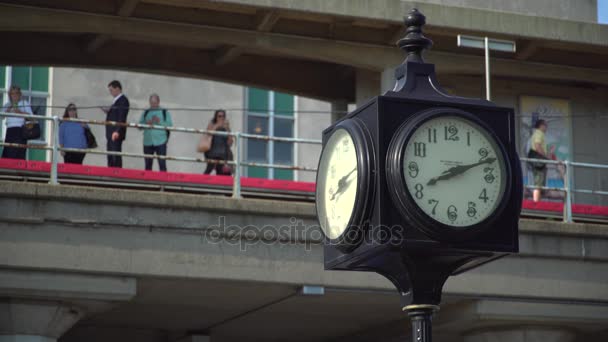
[343, 184]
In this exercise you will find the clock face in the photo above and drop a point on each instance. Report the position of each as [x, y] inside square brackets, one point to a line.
[337, 183]
[454, 171]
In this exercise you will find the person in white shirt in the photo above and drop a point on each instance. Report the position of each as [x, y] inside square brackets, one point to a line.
[14, 125]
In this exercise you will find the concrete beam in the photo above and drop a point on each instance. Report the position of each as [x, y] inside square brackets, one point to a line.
[39, 321]
[441, 15]
[314, 79]
[558, 263]
[34, 19]
[65, 286]
[527, 50]
[126, 9]
[266, 20]
[363, 56]
[226, 54]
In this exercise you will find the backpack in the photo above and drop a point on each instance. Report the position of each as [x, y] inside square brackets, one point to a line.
[164, 119]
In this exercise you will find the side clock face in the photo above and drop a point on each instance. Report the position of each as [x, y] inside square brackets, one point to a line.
[337, 181]
[454, 171]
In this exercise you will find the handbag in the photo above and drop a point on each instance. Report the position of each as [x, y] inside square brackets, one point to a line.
[227, 168]
[532, 154]
[91, 141]
[31, 130]
[205, 144]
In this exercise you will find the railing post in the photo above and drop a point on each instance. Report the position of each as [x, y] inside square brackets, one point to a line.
[568, 190]
[236, 187]
[55, 151]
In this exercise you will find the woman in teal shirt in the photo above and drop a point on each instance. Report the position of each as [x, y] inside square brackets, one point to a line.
[155, 140]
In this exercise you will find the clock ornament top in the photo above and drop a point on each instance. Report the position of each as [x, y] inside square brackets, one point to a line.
[414, 42]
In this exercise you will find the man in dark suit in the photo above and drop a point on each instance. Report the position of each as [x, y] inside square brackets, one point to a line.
[115, 135]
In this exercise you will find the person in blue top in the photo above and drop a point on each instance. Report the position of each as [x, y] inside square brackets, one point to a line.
[71, 135]
[155, 140]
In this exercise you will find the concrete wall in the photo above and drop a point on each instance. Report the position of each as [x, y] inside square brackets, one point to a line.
[580, 10]
[88, 88]
[310, 126]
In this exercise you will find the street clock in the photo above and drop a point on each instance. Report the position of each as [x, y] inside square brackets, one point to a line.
[418, 185]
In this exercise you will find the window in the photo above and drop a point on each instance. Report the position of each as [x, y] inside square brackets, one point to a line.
[270, 113]
[34, 83]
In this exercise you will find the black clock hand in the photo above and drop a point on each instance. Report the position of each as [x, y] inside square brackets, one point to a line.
[457, 170]
[343, 184]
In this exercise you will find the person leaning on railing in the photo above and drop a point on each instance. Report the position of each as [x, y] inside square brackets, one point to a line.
[220, 145]
[72, 135]
[14, 125]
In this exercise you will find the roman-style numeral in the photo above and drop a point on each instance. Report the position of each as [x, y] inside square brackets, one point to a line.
[419, 149]
[432, 135]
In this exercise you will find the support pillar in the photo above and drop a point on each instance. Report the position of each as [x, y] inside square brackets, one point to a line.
[521, 334]
[387, 79]
[367, 87]
[36, 321]
[338, 110]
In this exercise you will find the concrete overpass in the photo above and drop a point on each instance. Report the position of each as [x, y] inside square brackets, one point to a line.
[104, 264]
[341, 51]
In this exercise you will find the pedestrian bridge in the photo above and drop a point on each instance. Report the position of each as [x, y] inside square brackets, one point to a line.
[122, 265]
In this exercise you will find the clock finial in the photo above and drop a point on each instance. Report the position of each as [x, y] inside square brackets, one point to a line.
[414, 41]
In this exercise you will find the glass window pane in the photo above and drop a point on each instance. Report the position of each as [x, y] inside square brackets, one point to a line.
[257, 149]
[283, 153]
[21, 77]
[283, 127]
[283, 104]
[257, 100]
[40, 79]
[38, 105]
[2, 76]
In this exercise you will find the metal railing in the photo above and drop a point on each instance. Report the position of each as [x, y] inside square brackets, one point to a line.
[237, 163]
[568, 189]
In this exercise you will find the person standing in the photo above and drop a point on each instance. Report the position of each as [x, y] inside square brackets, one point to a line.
[118, 112]
[220, 145]
[72, 135]
[538, 150]
[14, 125]
[155, 140]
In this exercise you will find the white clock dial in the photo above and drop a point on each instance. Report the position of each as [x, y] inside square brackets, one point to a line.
[454, 171]
[337, 184]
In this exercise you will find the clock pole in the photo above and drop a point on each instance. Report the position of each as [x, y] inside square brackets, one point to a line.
[414, 43]
[421, 318]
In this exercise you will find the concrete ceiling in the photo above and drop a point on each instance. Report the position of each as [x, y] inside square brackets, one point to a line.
[305, 52]
[237, 310]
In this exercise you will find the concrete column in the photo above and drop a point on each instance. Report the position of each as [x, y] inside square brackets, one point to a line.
[368, 85]
[387, 79]
[521, 334]
[35, 321]
[338, 110]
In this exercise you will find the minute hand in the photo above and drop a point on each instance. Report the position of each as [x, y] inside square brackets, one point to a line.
[456, 170]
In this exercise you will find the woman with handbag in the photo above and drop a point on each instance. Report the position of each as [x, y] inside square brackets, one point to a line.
[219, 147]
[72, 135]
[14, 125]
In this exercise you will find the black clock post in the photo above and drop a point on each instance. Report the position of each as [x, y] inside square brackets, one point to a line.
[437, 189]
